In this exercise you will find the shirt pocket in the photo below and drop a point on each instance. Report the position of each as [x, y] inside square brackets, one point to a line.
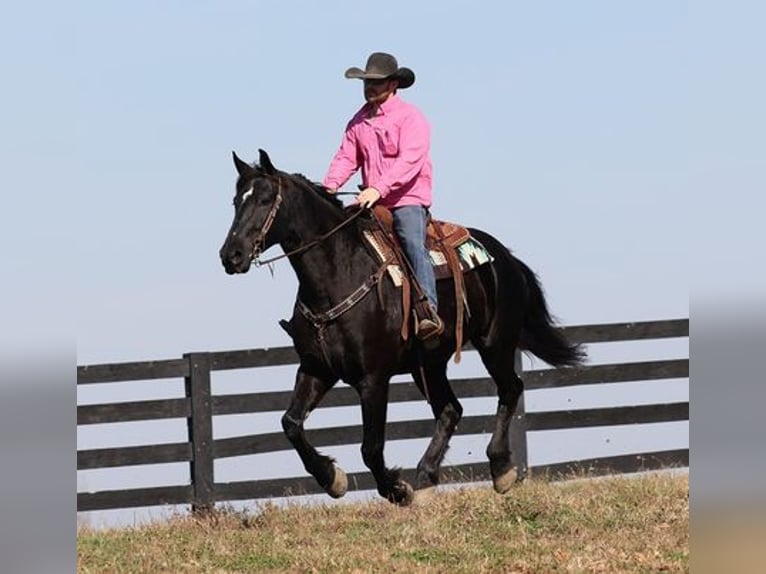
[388, 142]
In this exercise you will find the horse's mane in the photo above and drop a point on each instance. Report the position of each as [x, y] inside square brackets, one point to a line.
[320, 190]
[332, 199]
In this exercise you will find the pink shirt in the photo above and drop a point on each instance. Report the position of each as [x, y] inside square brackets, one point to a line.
[392, 149]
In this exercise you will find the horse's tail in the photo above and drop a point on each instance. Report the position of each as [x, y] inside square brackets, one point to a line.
[539, 333]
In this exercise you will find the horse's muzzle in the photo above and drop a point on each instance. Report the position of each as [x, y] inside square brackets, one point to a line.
[235, 260]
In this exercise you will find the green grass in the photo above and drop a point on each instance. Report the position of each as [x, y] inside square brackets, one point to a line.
[635, 524]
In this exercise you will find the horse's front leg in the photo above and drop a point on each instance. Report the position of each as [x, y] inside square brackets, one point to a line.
[373, 393]
[309, 390]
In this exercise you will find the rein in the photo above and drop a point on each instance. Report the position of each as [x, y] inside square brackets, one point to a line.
[261, 236]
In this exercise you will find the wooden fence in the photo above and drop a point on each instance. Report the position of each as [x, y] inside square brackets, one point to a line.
[198, 406]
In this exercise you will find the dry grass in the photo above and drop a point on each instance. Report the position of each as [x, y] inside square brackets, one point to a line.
[638, 524]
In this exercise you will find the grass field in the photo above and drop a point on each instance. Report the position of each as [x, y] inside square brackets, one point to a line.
[628, 524]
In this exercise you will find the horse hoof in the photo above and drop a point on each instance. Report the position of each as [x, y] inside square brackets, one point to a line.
[403, 494]
[339, 484]
[424, 495]
[504, 482]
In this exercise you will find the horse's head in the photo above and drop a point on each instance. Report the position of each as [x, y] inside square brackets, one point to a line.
[256, 203]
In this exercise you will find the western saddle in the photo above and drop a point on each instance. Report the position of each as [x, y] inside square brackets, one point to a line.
[441, 237]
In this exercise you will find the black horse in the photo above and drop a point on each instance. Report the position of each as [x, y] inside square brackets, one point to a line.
[347, 323]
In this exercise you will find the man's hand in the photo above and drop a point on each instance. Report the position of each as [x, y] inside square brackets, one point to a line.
[331, 190]
[368, 197]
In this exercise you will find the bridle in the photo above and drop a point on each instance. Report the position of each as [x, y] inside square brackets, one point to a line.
[260, 237]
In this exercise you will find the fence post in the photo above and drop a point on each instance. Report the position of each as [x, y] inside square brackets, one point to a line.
[519, 427]
[200, 425]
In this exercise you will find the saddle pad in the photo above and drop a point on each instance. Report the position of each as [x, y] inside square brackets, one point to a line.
[471, 254]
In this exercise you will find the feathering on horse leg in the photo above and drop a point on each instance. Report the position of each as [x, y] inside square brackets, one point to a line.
[447, 412]
[308, 392]
[500, 363]
[373, 393]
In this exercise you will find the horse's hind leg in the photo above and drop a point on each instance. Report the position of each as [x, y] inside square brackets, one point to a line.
[447, 411]
[499, 361]
[309, 390]
[373, 393]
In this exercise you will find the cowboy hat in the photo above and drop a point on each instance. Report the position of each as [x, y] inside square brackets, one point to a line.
[383, 66]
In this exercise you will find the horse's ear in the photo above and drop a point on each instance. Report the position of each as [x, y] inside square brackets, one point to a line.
[265, 162]
[243, 168]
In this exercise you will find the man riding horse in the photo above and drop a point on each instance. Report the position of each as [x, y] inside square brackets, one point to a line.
[389, 140]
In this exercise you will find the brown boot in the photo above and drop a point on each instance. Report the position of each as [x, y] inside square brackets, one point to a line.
[430, 327]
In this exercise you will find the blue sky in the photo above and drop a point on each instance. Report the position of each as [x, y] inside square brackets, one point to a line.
[588, 136]
[559, 129]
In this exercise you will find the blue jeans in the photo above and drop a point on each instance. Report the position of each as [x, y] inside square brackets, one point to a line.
[410, 228]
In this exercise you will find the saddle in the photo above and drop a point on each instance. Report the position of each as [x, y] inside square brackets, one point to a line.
[442, 241]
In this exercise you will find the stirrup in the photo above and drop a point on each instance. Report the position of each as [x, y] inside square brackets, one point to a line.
[429, 328]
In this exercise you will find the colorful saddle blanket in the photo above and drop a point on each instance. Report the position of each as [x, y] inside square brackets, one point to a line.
[470, 253]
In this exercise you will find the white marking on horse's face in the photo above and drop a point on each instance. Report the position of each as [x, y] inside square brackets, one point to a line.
[247, 194]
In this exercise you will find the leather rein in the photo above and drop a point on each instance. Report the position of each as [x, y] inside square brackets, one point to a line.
[260, 238]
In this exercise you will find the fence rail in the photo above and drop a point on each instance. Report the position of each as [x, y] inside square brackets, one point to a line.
[199, 406]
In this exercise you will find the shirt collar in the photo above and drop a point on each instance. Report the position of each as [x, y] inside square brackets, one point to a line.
[390, 104]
